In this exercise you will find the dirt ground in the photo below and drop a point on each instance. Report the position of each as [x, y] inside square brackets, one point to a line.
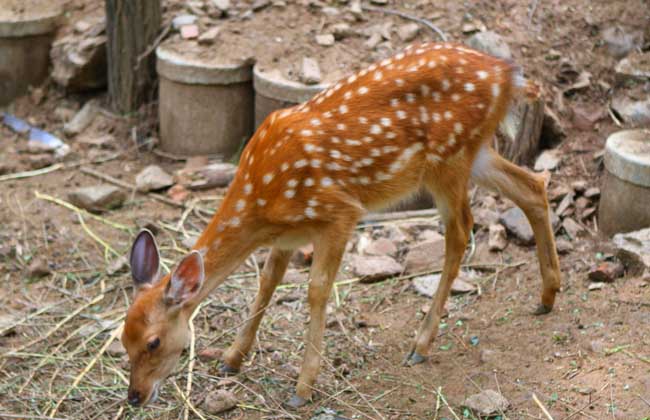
[588, 359]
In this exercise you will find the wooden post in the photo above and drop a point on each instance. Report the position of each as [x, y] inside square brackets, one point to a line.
[132, 28]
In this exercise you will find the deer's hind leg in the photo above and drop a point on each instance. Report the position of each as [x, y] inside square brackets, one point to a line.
[449, 188]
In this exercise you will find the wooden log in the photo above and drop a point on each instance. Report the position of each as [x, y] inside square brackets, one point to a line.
[131, 28]
[518, 138]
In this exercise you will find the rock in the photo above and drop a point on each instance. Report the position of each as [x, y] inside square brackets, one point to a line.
[36, 147]
[189, 241]
[429, 235]
[620, 42]
[636, 67]
[633, 249]
[563, 246]
[40, 161]
[310, 71]
[607, 272]
[596, 286]
[341, 30]
[106, 141]
[38, 268]
[408, 32]
[82, 119]
[592, 192]
[516, 224]
[428, 285]
[183, 20]
[97, 198]
[597, 346]
[498, 240]
[219, 401]
[487, 403]
[260, 4]
[491, 43]
[118, 265]
[326, 40]
[395, 234]
[566, 202]
[485, 217]
[572, 228]
[330, 11]
[548, 160]
[153, 178]
[425, 256]
[373, 269]
[189, 31]
[116, 349]
[79, 63]
[381, 246]
[222, 5]
[210, 354]
[210, 36]
[379, 2]
[582, 203]
[178, 193]
[633, 112]
[579, 186]
[372, 42]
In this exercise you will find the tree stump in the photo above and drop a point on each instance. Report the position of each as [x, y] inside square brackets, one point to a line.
[518, 138]
[131, 28]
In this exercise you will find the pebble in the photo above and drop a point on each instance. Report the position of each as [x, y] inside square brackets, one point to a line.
[373, 269]
[38, 268]
[607, 272]
[326, 40]
[548, 160]
[487, 402]
[153, 178]
[219, 401]
[310, 73]
[97, 198]
[408, 32]
[82, 119]
[498, 240]
[425, 256]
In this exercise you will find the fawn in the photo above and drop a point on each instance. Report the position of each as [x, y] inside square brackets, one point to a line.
[425, 117]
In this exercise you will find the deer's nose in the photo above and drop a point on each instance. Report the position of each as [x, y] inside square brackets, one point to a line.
[134, 397]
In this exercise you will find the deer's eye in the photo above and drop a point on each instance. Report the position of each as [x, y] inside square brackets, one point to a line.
[153, 344]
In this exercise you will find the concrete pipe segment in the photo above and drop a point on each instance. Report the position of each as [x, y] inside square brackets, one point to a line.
[273, 91]
[206, 108]
[625, 193]
[27, 29]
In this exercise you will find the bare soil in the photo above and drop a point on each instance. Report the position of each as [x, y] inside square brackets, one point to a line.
[588, 359]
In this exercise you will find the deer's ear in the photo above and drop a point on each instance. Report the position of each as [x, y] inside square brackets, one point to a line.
[144, 259]
[186, 280]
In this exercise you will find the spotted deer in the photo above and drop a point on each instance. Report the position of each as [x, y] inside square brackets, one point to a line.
[424, 117]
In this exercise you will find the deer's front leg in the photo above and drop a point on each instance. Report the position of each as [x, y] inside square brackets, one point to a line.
[328, 250]
[272, 274]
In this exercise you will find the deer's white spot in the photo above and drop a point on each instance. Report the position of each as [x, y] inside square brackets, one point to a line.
[399, 82]
[248, 188]
[362, 90]
[261, 202]
[239, 206]
[458, 128]
[326, 182]
[300, 163]
[436, 117]
[347, 95]
[310, 212]
[340, 126]
[375, 129]
[292, 183]
[482, 74]
[496, 90]
[306, 132]
[309, 182]
[335, 140]
[400, 114]
[469, 87]
[386, 122]
[455, 97]
[343, 109]
[410, 98]
[448, 115]
[267, 178]
[352, 78]
[351, 142]
[235, 221]
[289, 193]
[445, 84]
[378, 75]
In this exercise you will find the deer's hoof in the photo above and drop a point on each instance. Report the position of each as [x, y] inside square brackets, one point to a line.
[414, 358]
[542, 309]
[226, 370]
[296, 402]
